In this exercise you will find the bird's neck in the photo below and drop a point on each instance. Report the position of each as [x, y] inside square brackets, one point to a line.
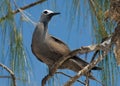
[44, 32]
[45, 24]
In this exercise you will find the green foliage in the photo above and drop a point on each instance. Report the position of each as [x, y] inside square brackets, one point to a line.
[11, 40]
[101, 30]
[98, 15]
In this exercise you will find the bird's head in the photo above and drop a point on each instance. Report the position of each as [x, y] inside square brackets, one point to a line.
[47, 15]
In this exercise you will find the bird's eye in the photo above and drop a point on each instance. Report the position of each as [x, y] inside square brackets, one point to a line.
[45, 12]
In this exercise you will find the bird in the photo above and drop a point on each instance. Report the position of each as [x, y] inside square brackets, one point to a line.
[48, 49]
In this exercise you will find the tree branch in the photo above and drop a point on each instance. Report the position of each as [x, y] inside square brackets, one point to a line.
[87, 68]
[5, 76]
[23, 8]
[70, 77]
[81, 50]
[28, 6]
[22, 13]
[11, 73]
[107, 42]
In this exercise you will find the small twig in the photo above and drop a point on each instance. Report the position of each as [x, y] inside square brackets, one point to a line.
[11, 78]
[11, 73]
[5, 76]
[94, 55]
[28, 6]
[70, 77]
[98, 51]
[45, 79]
[86, 54]
[23, 8]
[87, 79]
[23, 14]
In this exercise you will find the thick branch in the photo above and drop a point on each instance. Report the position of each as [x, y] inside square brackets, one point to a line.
[11, 73]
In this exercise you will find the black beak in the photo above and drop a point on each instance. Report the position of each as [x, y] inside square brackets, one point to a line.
[53, 14]
[56, 14]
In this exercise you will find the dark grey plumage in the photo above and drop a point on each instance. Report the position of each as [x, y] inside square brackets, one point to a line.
[49, 49]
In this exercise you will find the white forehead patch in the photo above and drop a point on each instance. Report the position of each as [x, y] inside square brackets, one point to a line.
[49, 11]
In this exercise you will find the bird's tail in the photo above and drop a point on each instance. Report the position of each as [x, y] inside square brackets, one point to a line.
[84, 63]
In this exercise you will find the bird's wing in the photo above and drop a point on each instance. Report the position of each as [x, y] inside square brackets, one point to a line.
[63, 49]
[59, 41]
[56, 47]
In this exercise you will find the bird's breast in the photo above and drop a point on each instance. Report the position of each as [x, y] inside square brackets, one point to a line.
[44, 52]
